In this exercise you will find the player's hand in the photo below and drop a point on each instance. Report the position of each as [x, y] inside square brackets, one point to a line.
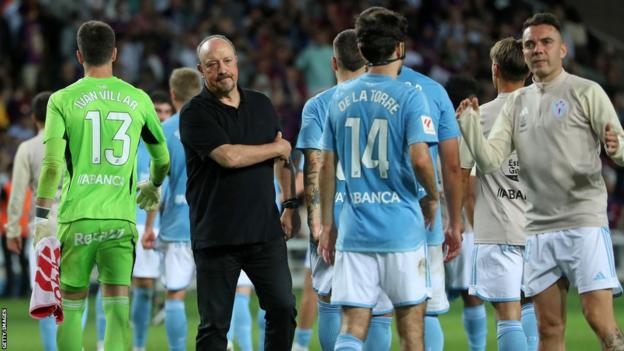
[283, 147]
[315, 230]
[327, 244]
[148, 238]
[149, 196]
[452, 242]
[612, 140]
[15, 245]
[465, 105]
[290, 222]
[42, 229]
[429, 205]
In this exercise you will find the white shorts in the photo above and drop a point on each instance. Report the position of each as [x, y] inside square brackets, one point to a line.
[146, 262]
[438, 304]
[360, 278]
[497, 272]
[458, 271]
[178, 264]
[243, 280]
[583, 255]
[322, 275]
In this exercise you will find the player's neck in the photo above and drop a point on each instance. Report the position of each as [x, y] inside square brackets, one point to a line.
[549, 77]
[345, 75]
[104, 71]
[391, 69]
[505, 86]
[177, 105]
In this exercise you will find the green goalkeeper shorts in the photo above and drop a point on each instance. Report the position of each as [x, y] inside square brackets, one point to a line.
[108, 244]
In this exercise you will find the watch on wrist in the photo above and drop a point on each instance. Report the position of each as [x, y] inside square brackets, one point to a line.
[291, 203]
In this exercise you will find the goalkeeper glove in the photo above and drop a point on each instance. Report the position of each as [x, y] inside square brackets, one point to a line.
[42, 225]
[149, 196]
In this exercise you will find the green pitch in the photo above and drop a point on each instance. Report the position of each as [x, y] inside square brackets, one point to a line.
[23, 332]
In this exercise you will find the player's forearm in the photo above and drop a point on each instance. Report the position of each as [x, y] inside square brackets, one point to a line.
[451, 175]
[311, 169]
[238, 156]
[489, 154]
[51, 168]
[149, 219]
[285, 175]
[469, 195]
[423, 168]
[327, 185]
[159, 165]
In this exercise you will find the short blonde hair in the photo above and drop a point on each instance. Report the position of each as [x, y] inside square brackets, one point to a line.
[185, 83]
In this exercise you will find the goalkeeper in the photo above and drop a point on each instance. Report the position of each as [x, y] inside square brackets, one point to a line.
[93, 127]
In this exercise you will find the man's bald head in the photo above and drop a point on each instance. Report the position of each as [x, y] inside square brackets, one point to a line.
[205, 43]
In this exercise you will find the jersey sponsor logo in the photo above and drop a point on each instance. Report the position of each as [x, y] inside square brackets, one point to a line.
[339, 198]
[81, 239]
[560, 108]
[511, 194]
[427, 124]
[101, 179]
[377, 197]
[512, 168]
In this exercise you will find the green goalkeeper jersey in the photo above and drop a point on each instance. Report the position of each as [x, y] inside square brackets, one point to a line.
[101, 120]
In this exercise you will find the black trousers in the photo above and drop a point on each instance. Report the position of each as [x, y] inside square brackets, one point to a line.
[218, 269]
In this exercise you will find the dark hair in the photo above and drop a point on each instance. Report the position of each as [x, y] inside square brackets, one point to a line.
[160, 97]
[346, 51]
[542, 18]
[507, 54]
[39, 106]
[378, 30]
[96, 41]
[460, 87]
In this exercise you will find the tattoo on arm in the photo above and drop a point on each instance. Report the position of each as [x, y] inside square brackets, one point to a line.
[311, 169]
[614, 341]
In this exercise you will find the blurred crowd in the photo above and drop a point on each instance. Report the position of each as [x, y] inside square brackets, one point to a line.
[283, 46]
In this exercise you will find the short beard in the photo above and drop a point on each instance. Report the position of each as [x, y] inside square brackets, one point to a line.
[221, 90]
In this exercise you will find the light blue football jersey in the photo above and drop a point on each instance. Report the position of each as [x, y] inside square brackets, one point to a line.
[443, 115]
[310, 136]
[174, 222]
[143, 174]
[371, 123]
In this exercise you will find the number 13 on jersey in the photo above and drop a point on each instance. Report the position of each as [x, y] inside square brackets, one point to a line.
[121, 135]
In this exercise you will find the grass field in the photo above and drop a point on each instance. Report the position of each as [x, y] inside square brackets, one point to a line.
[23, 332]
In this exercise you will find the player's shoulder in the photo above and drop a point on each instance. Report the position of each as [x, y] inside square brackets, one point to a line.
[254, 96]
[581, 85]
[319, 99]
[490, 105]
[131, 88]
[172, 123]
[33, 142]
